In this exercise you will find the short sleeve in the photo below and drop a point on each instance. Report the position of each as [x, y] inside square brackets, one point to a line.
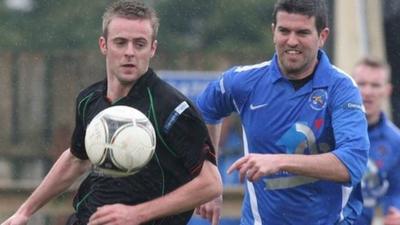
[216, 101]
[78, 136]
[350, 129]
[187, 138]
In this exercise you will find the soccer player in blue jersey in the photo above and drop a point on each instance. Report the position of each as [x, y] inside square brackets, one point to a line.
[304, 126]
[381, 182]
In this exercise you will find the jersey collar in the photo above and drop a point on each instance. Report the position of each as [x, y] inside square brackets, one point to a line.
[139, 87]
[321, 78]
[381, 121]
[143, 82]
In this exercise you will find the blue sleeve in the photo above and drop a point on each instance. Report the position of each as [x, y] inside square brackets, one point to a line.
[216, 101]
[392, 197]
[350, 129]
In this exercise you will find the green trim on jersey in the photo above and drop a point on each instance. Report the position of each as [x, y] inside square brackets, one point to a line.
[86, 100]
[153, 115]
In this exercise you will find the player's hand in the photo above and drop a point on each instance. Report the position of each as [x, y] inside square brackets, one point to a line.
[392, 217]
[16, 219]
[255, 166]
[211, 210]
[117, 214]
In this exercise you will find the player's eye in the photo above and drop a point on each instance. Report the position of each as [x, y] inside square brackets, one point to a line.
[140, 44]
[361, 84]
[120, 42]
[283, 30]
[303, 32]
[376, 85]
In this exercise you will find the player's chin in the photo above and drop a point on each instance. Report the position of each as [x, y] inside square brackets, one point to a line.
[127, 79]
[372, 109]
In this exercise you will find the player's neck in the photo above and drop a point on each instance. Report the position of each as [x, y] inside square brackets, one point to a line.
[302, 74]
[116, 91]
[373, 119]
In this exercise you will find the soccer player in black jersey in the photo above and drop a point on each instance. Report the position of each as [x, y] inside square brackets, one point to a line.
[182, 173]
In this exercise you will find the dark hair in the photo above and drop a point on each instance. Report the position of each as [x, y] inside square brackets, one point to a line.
[316, 8]
[130, 9]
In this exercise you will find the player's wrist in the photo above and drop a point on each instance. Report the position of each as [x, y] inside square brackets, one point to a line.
[142, 214]
[24, 211]
[282, 162]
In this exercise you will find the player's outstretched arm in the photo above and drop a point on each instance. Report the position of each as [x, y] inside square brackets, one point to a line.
[205, 187]
[63, 173]
[323, 166]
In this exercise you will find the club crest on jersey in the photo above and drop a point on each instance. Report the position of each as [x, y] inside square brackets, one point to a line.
[318, 99]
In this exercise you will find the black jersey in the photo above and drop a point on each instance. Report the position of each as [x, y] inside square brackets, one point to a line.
[182, 145]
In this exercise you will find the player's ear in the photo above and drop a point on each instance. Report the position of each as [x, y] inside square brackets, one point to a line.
[153, 48]
[323, 36]
[273, 31]
[103, 45]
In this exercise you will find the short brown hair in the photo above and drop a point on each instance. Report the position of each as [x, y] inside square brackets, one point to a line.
[130, 9]
[376, 63]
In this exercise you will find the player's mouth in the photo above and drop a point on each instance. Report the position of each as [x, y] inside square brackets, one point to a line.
[128, 65]
[128, 68]
[293, 55]
[293, 52]
[368, 103]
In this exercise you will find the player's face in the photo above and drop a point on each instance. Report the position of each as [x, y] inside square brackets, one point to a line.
[374, 87]
[128, 49]
[297, 42]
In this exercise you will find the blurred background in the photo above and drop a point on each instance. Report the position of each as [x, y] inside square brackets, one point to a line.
[49, 52]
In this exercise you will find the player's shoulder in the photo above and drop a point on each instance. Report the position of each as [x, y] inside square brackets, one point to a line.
[97, 87]
[391, 134]
[340, 76]
[166, 92]
[392, 130]
[248, 71]
[244, 78]
[331, 75]
[168, 97]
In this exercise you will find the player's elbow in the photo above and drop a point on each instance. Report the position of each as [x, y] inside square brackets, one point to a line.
[340, 172]
[71, 167]
[344, 176]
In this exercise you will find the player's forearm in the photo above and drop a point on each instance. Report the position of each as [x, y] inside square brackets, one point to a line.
[215, 132]
[63, 173]
[323, 166]
[205, 187]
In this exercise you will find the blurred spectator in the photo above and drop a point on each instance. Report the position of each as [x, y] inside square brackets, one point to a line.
[381, 182]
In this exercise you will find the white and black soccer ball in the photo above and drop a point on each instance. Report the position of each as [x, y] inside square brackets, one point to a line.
[119, 141]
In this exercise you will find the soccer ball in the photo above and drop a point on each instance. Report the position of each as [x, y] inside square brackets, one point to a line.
[119, 141]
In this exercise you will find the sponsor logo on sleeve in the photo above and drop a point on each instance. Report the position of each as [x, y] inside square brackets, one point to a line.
[354, 106]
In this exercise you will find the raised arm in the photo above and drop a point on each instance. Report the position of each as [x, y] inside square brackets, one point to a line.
[61, 176]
